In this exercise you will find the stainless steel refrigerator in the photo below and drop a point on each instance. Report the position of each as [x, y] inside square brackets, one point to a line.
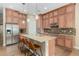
[12, 32]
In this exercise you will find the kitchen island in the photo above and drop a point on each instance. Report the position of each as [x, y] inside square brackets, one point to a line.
[49, 42]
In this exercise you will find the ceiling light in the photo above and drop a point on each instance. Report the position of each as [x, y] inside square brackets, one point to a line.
[28, 20]
[23, 21]
[37, 17]
[45, 8]
[24, 10]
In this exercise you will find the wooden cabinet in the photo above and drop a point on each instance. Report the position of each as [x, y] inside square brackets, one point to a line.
[70, 20]
[50, 14]
[70, 8]
[55, 19]
[65, 41]
[61, 21]
[22, 24]
[8, 19]
[39, 23]
[55, 12]
[8, 15]
[13, 16]
[61, 10]
[15, 20]
[68, 42]
[60, 41]
[44, 21]
[9, 12]
[64, 16]
[51, 20]
[22, 21]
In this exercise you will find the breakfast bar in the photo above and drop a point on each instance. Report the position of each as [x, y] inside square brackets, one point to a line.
[49, 42]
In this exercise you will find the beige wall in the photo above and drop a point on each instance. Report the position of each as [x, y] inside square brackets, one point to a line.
[77, 25]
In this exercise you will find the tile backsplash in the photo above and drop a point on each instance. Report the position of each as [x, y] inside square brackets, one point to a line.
[68, 31]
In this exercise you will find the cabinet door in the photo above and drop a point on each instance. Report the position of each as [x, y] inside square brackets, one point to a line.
[51, 20]
[50, 14]
[68, 43]
[61, 21]
[55, 12]
[9, 16]
[8, 19]
[44, 22]
[61, 11]
[60, 41]
[70, 8]
[21, 24]
[9, 12]
[70, 20]
[40, 23]
[15, 14]
[15, 20]
[55, 19]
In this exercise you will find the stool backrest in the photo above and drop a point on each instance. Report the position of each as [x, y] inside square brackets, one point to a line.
[31, 46]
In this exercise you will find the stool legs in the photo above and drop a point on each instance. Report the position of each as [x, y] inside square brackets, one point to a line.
[41, 51]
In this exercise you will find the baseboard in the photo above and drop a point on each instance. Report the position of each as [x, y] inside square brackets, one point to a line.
[76, 47]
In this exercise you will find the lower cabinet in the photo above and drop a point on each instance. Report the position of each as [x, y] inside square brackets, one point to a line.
[68, 42]
[65, 41]
[60, 41]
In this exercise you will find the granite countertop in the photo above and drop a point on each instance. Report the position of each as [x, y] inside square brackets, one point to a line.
[40, 38]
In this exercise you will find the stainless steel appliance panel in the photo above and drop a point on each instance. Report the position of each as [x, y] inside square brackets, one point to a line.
[12, 31]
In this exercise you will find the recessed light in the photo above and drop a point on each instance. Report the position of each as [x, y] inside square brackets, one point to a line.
[28, 20]
[23, 21]
[37, 17]
[45, 8]
[24, 10]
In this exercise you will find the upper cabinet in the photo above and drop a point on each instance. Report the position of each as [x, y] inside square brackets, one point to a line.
[70, 16]
[16, 17]
[9, 13]
[22, 21]
[70, 8]
[55, 12]
[61, 10]
[61, 21]
[64, 16]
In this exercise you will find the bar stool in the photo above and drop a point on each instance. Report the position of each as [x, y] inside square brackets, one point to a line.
[23, 46]
[34, 47]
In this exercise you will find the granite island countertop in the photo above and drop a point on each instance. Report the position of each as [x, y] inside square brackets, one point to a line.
[40, 38]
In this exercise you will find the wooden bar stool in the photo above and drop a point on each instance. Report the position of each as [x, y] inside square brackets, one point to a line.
[23, 45]
[34, 47]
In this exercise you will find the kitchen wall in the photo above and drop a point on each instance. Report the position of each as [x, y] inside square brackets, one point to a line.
[31, 24]
[77, 26]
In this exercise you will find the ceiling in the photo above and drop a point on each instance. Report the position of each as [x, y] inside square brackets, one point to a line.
[32, 8]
